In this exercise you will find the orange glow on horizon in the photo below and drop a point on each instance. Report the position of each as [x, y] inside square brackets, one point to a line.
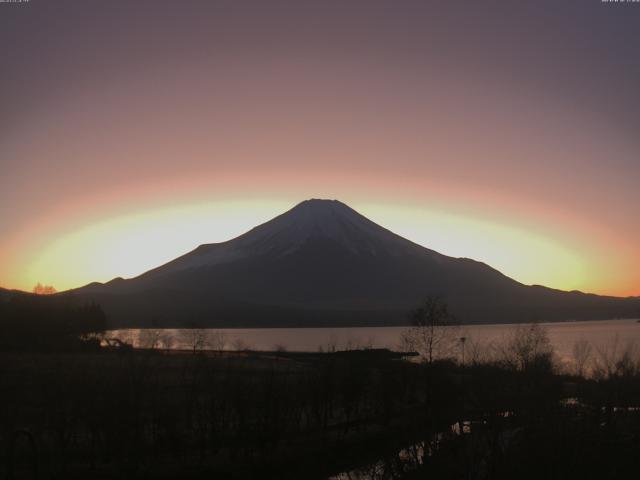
[127, 244]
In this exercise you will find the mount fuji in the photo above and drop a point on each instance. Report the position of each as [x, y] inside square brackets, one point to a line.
[323, 264]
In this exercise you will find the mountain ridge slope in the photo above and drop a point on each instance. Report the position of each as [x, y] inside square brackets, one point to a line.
[324, 263]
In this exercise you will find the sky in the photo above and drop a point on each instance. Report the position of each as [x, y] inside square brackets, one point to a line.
[507, 132]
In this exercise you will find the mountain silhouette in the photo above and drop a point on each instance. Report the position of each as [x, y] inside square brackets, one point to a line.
[322, 263]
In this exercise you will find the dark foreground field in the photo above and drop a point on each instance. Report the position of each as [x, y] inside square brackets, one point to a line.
[367, 414]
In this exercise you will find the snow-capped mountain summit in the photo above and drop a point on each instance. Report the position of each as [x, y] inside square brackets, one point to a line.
[309, 221]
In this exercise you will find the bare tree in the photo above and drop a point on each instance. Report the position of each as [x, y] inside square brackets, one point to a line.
[240, 345]
[351, 343]
[581, 355]
[194, 338]
[432, 334]
[616, 360]
[479, 351]
[369, 343]
[332, 343]
[217, 340]
[528, 347]
[167, 340]
[40, 289]
[279, 348]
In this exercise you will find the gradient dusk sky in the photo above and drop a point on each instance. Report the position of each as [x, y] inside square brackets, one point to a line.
[508, 132]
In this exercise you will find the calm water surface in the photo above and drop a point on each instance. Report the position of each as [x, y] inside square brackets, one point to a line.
[602, 335]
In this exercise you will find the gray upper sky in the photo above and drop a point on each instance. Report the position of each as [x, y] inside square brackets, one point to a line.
[529, 108]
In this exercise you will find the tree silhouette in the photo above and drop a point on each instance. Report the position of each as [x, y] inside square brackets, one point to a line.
[40, 289]
[431, 334]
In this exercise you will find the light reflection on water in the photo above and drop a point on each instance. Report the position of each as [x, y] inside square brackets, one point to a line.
[602, 335]
[405, 460]
[410, 458]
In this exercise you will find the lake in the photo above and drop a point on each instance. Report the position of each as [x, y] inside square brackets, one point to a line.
[603, 336]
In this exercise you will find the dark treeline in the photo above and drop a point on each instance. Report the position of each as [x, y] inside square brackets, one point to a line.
[154, 414]
[139, 414]
[70, 409]
[49, 323]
